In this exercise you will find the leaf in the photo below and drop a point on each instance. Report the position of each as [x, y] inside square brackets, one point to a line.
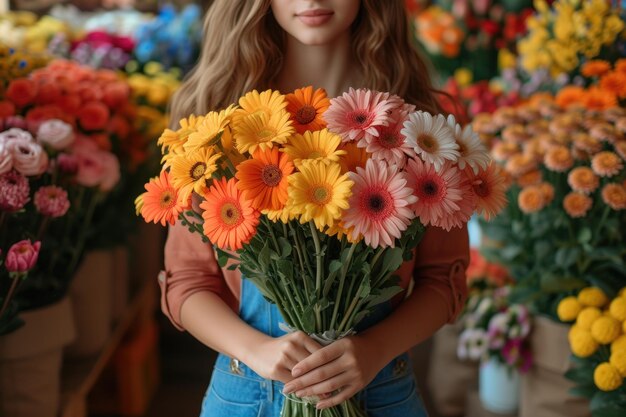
[365, 288]
[584, 235]
[384, 295]
[551, 282]
[392, 259]
[264, 256]
[606, 404]
[585, 391]
[308, 319]
[334, 266]
[510, 252]
[360, 316]
[285, 268]
[567, 256]
[285, 247]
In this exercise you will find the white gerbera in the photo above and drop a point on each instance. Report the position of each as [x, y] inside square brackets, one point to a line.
[431, 138]
[473, 152]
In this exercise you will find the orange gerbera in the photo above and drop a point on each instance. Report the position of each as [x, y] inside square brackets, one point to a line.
[614, 82]
[161, 203]
[229, 219]
[620, 65]
[598, 99]
[577, 204]
[595, 68]
[306, 108]
[559, 159]
[353, 158]
[263, 179]
[583, 180]
[531, 199]
[569, 95]
[606, 164]
[614, 195]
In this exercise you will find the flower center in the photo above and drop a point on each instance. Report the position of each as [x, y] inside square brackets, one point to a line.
[271, 175]
[315, 154]
[481, 189]
[197, 170]
[230, 214]
[320, 194]
[306, 114]
[266, 134]
[360, 118]
[462, 148]
[377, 204]
[431, 190]
[427, 142]
[389, 139]
[167, 199]
[23, 150]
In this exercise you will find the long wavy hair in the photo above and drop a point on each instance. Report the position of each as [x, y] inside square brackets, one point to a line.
[243, 50]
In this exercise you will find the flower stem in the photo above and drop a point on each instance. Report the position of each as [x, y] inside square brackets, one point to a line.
[7, 300]
[318, 272]
[342, 280]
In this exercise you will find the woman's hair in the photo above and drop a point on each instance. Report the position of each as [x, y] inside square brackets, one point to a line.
[243, 50]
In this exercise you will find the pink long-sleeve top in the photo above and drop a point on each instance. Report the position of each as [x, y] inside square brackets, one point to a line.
[191, 266]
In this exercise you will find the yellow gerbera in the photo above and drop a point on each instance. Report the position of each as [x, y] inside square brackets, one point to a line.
[259, 131]
[319, 192]
[284, 215]
[191, 171]
[268, 102]
[174, 139]
[214, 123]
[320, 145]
[172, 153]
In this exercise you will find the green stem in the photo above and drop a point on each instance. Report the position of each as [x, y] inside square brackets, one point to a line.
[269, 227]
[348, 315]
[318, 274]
[342, 280]
[7, 300]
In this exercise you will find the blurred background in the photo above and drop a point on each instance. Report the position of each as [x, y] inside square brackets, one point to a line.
[543, 84]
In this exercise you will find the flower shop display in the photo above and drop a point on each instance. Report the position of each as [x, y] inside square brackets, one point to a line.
[316, 207]
[470, 34]
[496, 333]
[597, 339]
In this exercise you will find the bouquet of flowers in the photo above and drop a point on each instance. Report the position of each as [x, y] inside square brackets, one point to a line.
[495, 329]
[319, 201]
[598, 342]
[565, 169]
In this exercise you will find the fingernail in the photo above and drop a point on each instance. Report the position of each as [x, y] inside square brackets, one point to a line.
[296, 372]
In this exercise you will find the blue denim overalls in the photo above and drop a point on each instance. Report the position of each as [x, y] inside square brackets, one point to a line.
[237, 391]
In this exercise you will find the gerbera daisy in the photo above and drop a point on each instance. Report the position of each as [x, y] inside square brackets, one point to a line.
[354, 157]
[615, 82]
[489, 186]
[533, 177]
[191, 171]
[471, 150]
[306, 108]
[319, 192]
[520, 164]
[531, 199]
[229, 219]
[569, 95]
[431, 138]
[263, 179]
[213, 125]
[320, 145]
[620, 65]
[284, 215]
[598, 99]
[595, 68]
[338, 229]
[577, 204]
[467, 205]
[614, 196]
[139, 203]
[558, 159]
[583, 180]
[379, 205]
[268, 102]
[175, 139]
[161, 203]
[260, 131]
[501, 151]
[356, 113]
[437, 190]
[606, 164]
[390, 145]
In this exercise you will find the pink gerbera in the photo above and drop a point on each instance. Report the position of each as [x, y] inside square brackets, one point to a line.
[379, 205]
[390, 144]
[438, 192]
[14, 191]
[357, 113]
[490, 188]
[52, 201]
[467, 205]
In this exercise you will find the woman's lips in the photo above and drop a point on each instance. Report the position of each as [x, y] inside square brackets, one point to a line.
[315, 17]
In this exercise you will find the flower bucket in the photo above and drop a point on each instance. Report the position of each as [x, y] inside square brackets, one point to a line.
[544, 387]
[499, 387]
[30, 361]
[91, 301]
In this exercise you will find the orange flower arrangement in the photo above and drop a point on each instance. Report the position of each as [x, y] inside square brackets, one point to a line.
[569, 95]
[595, 68]
[598, 99]
[306, 108]
[614, 82]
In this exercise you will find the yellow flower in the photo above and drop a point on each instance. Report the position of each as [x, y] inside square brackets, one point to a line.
[607, 377]
[606, 329]
[463, 76]
[268, 102]
[573, 331]
[158, 95]
[139, 204]
[191, 171]
[618, 360]
[152, 68]
[319, 192]
[259, 131]
[568, 309]
[592, 297]
[618, 308]
[619, 343]
[587, 316]
[320, 145]
[213, 124]
[583, 344]
[176, 139]
[622, 292]
[506, 59]
[283, 215]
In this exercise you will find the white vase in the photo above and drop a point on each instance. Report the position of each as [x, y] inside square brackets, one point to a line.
[499, 387]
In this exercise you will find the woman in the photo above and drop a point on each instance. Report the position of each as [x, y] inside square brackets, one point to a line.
[284, 45]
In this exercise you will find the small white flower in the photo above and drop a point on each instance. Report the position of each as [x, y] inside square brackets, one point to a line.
[431, 138]
[56, 133]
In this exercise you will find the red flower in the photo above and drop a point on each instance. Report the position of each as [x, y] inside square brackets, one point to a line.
[6, 109]
[22, 91]
[93, 116]
[48, 93]
[490, 27]
[115, 94]
[119, 126]
[69, 104]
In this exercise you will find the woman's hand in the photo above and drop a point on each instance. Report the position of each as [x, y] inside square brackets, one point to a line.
[275, 357]
[346, 365]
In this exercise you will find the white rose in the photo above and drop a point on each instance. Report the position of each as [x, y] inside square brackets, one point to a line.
[29, 158]
[56, 133]
[6, 159]
[15, 133]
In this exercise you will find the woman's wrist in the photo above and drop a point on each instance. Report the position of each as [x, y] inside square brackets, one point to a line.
[249, 350]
